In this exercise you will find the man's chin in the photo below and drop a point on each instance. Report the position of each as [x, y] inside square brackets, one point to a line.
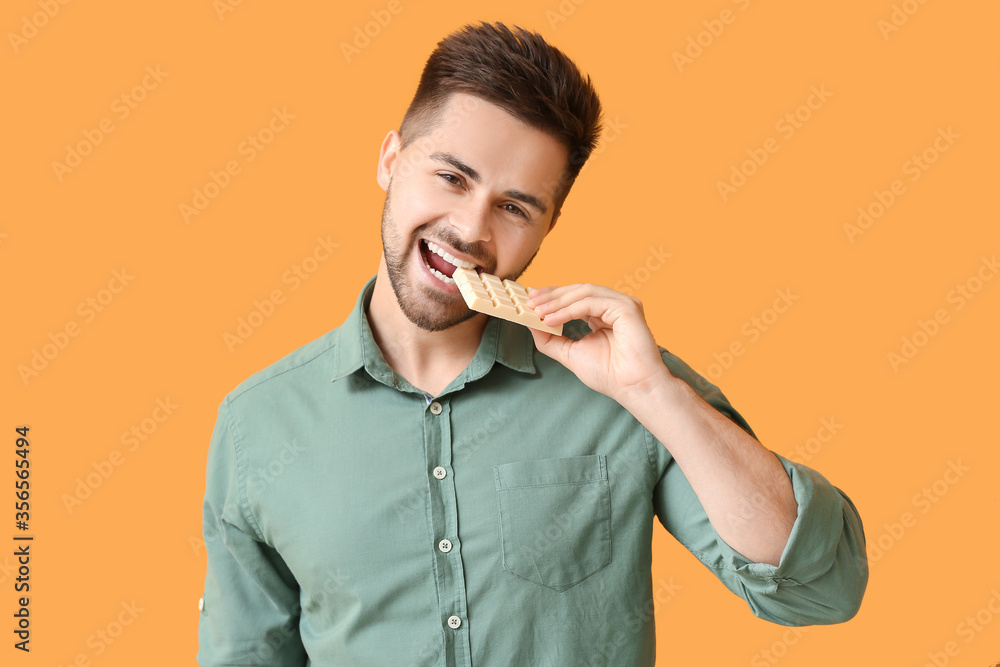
[423, 320]
[429, 309]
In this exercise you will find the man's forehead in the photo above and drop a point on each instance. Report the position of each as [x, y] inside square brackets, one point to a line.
[462, 104]
[473, 145]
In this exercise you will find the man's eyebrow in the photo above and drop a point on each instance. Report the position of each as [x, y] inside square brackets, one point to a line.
[451, 159]
[455, 162]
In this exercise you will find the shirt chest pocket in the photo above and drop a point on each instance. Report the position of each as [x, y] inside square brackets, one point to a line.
[555, 518]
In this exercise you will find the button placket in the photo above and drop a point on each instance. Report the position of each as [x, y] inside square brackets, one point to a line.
[443, 529]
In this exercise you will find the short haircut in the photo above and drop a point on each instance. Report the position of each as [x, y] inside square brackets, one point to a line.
[522, 74]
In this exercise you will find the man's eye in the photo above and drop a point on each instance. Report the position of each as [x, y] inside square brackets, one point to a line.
[451, 178]
[515, 210]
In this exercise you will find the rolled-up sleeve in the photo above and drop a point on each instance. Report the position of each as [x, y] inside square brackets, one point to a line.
[823, 570]
[250, 605]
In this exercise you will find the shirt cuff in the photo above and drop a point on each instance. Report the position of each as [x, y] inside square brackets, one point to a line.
[811, 548]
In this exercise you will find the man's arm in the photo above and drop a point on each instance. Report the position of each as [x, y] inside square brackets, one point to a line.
[744, 489]
[753, 503]
[822, 573]
[251, 600]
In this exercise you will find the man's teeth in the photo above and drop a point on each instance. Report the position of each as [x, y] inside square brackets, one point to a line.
[440, 276]
[437, 250]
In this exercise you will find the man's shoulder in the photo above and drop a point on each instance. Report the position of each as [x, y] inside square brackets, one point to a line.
[313, 360]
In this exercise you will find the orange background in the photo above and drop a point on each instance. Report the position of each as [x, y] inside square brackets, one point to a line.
[674, 132]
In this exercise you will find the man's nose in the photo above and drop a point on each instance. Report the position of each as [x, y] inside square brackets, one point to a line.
[473, 222]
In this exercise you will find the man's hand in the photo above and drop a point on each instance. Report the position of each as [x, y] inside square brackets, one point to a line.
[620, 358]
[725, 466]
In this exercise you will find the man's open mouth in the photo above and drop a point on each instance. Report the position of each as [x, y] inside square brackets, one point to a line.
[442, 264]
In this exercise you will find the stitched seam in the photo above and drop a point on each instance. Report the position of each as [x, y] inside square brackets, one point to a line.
[240, 469]
[325, 350]
[539, 486]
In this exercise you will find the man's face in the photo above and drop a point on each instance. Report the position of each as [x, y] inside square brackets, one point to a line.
[477, 186]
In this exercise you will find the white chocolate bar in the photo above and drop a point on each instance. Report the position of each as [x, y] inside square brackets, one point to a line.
[506, 299]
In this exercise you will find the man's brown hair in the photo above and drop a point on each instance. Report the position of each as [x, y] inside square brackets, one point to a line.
[522, 74]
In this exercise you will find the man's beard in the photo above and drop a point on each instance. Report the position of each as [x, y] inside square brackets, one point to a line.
[444, 310]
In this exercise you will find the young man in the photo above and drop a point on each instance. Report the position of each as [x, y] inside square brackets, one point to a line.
[425, 485]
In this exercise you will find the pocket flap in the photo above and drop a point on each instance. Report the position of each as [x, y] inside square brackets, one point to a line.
[542, 472]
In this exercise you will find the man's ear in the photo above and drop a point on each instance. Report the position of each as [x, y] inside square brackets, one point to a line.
[555, 216]
[387, 159]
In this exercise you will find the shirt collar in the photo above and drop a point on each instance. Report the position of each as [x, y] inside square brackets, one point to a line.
[505, 342]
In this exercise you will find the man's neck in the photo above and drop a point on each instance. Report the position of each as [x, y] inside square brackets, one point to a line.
[429, 360]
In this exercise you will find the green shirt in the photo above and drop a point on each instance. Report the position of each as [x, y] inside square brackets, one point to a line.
[349, 519]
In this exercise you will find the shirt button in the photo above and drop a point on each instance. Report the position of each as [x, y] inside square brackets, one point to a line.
[454, 622]
[440, 473]
[444, 546]
[435, 408]
[201, 604]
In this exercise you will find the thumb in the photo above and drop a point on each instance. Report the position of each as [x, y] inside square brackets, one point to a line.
[551, 345]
